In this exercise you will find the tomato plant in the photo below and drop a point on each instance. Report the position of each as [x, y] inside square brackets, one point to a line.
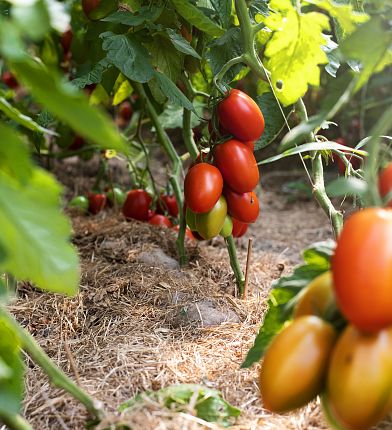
[243, 207]
[295, 365]
[239, 228]
[97, 202]
[137, 204]
[209, 224]
[227, 227]
[362, 269]
[160, 220]
[167, 203]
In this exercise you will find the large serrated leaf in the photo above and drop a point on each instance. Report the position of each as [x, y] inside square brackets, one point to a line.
[145, 14]
[94, 76]
[11, 387]
[294, 51]
[223, 9]
[126, 52]
[71, 106]
[197, 18]
[165, 57]
[181, 44]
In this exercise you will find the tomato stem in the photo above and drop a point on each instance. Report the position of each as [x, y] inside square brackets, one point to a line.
[235, 265]
[15, 422]
[187, 133]
[54, 373]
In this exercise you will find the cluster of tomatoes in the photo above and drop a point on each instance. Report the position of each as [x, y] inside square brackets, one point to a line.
[350, 362]
[219, 186]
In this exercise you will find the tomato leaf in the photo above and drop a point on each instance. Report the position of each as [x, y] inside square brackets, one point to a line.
[223, 9]
[146, 14]
[274, 119]
[94, 76]
[294, 51]
[316, 261]
[181, 44]
[34, 233]
[197, 18]
[126, 52]
[172, 116]
[11, 377]
[122, 90]
[258, 7]
[347, 187]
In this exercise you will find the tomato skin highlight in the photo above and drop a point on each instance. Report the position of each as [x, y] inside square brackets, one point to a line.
[295, 365]
[167, 203]
[385, 182]
[359, 378]
[239, 228]
[316, 297]
[160, 220]
[244, 207]
[203, 187]
[362, 269]
[209, 224]
[238, 166]
[136, 205]
[240, 116]
[97, 202]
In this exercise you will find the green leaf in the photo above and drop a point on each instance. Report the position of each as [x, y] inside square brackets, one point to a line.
[222, 50]
[313, 146]
[316, 261]
[196, 17]
[14, 157]
[344, 14]
[122, 90]
[126, 52]
[294, 50]
[20, 118]
[35, 234]
[347, 186]
[71, 106]
[32, 18]
[11, 388]
[274, 119]
[258, 7]
[171, 91]
[181, 44]
[146, 14]
[94, 76]
[171, 117]
[371, 45]
[333, 58]
[338, 93]
[207, 403]
[5, 371]
[223, 9]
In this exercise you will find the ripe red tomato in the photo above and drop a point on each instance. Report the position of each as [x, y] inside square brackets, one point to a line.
[77, 143]
[168, 204]
[185, 33]
[66, 40]
[125, 111]
[161, 220]
[239, 228]
[188, 233]
[250, 145]
[296, 364]
[359, 378]
[238, 165]
[362, 269]
[240, 116]
[9, 79]
[96, 202]
[203, 187]
[136, 205]
[385, 182]
[243, 207]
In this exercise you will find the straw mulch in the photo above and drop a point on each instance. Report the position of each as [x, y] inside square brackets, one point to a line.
[120, 335]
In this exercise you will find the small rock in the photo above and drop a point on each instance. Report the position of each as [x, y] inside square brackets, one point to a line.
[204, 313]
[157, 258]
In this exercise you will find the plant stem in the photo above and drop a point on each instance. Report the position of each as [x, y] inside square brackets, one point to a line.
[54, 373]
[235, 264]
[15, 422]
[187, 133]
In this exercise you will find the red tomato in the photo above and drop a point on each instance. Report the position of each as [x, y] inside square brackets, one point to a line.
[125, 111]
[168, 204]
[66, 40]
[197, 236]
[250, 145]
[385, 182]
[238, 165]
[185, 33]
[96, 202]
[150, 214]
[9, 79]
[243, 207]
[362, 269]
[188, 233]
[161, 220]
[77, 143]
[239, 228]
[203, 187]
[136, 205]
[240, 116]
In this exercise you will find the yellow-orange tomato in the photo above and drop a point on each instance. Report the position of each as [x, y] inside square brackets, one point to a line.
[385, 182]
[316, 298]
[362, 269]
[359, 387]
[295, 365]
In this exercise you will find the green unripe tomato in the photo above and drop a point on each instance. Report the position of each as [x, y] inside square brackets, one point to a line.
[209, 224]
[190, 219]
[116, 195]
[79, 202]
[227, 227]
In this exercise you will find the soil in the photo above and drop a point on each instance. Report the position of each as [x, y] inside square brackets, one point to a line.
[125, 332]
